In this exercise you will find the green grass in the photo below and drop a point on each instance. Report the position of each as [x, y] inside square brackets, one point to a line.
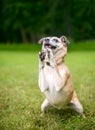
[20, 97]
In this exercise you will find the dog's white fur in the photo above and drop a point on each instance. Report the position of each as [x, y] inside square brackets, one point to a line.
[55, 80]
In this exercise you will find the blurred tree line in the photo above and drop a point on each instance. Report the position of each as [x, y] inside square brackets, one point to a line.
[27, 21]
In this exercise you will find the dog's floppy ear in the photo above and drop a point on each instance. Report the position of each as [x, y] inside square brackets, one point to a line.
[46, 39]
[64, 40]
[41, 40]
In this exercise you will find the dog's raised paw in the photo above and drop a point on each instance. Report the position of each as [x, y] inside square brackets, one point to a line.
[42, 55]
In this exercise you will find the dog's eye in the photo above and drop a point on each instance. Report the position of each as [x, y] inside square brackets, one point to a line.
[47, 40]
[56, 40]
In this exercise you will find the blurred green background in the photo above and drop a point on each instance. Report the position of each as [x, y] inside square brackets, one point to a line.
[25, 21]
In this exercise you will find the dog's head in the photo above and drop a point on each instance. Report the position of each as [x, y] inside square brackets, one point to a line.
[54, 43]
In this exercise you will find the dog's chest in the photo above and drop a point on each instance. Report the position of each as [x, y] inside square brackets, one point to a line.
[49, 76]
[58, 99]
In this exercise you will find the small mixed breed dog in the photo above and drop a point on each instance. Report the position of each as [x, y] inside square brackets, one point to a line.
[54, 77]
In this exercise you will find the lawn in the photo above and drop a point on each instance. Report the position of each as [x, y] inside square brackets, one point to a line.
[20, 97]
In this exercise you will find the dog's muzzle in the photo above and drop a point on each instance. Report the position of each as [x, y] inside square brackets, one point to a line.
[50, 46]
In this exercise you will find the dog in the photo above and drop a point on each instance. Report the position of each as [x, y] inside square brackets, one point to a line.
[55, 80]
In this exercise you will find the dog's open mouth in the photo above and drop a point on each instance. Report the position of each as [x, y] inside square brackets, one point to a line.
[47, 45]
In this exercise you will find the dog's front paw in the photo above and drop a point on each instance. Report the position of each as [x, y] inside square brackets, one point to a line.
[53, 63]
[49, 59]
[50, 54]
[47, 56]
[41, 60]
[42, 56]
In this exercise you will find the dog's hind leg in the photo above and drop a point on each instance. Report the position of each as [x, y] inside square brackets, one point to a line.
[76, 105]
[45, 106]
